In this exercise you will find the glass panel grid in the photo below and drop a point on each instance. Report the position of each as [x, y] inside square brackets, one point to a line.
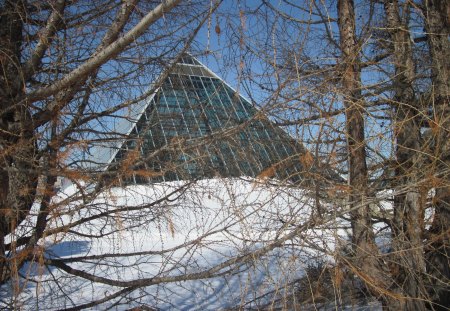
[206, 129]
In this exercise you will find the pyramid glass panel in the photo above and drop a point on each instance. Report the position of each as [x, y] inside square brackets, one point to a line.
[196, 127]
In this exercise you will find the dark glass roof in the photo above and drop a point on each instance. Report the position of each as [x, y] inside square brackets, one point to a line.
[196, 126]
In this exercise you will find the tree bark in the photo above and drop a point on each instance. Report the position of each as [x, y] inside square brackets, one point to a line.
[366, 254]
[18, 177]
[407, 224]
[437, 25]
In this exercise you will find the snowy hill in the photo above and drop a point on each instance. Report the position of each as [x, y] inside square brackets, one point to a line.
[212, 245]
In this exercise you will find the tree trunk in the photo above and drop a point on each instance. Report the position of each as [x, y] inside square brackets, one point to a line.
[17, 144]
[437, 25]
[366, 254]
[407, 225]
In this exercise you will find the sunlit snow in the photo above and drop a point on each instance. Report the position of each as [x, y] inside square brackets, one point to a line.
[184, 233]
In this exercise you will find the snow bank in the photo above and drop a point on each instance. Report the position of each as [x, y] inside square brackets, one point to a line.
[172, 229]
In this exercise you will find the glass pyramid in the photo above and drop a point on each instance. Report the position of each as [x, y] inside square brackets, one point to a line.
[196, 126]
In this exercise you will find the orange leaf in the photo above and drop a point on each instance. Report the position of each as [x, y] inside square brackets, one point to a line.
[267, 173]
[307, 159]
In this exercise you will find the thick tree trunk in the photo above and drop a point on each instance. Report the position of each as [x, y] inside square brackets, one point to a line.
[366, 253]
[17, 144]
[437, 25]
[407, 225]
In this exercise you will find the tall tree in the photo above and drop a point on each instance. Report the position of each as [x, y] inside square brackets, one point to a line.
[366, 252]
[50, 71]
[409, 206]
[437, 25]
[394, 91]
[348, 85]
[18, 173]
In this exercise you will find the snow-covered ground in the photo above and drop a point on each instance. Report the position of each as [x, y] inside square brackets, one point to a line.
[234, 239]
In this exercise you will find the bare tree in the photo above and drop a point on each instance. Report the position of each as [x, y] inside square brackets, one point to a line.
[73, 74]
[60, 60]
[361, 87]
[408, 203]
[366, 253]
[437, 25]
[379, 74]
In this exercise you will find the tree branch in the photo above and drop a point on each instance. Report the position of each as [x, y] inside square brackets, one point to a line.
[103, 56]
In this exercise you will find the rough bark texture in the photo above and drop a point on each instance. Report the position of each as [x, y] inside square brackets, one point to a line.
[407, 224]
[366, 260]
[437, 25]
[18, 177]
